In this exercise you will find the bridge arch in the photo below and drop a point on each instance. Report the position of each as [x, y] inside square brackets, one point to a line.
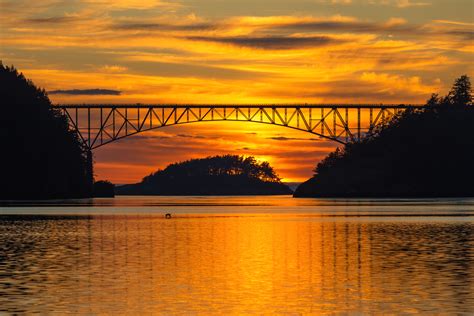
[221, 120]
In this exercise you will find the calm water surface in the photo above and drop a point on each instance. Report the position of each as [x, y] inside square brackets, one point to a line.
[237, 255]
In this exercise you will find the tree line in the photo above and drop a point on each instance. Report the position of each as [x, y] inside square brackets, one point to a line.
[41, 157]
[225, 165]
[426, 152]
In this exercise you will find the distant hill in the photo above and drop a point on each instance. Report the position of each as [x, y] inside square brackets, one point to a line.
[420, 153]
[218, 175]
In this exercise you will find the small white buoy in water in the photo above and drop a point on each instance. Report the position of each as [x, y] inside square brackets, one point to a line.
[168, 215]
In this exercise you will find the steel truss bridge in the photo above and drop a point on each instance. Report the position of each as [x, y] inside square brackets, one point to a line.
[101, 124]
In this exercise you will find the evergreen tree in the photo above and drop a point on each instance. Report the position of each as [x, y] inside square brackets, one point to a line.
[41, 157]
[461, 93]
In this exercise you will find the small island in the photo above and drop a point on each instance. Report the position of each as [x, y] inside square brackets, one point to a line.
[103, 189]
[218, 175]
[422, 153]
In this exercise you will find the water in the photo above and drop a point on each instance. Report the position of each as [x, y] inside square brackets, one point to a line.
[237, 255]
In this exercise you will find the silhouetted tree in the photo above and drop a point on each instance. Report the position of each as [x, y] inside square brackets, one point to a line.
[41, 157]
[461, 93]
[425, 152]
[434, 100]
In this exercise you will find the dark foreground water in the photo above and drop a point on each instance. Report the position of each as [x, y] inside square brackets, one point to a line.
[237, 255]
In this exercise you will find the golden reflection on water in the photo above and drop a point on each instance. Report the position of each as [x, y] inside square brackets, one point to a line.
[234, 265]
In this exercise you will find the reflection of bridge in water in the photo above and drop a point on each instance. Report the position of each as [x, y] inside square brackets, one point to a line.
[98, 125]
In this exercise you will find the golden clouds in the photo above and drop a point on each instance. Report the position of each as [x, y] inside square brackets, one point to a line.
[254, 59]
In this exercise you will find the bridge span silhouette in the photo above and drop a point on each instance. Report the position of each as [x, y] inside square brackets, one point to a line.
[101, 124]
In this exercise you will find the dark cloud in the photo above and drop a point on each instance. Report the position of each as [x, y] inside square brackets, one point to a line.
[271, 42]
[145, 137]
[348, 26]
[87, 92]
[467, 34]
[153, 137]
[191, 136]
[164, 27]
[52, 20]
[283, 138]
[298, 26]
[368, 28]
[283, 40]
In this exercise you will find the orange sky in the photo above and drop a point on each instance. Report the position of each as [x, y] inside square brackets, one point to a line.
[211, 51]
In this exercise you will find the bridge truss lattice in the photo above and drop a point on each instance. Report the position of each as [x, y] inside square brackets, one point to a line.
[98, 125]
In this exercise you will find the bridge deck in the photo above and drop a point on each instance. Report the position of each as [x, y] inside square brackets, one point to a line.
[255, 106]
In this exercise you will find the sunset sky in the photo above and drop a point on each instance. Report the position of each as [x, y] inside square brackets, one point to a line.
[246, 51]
